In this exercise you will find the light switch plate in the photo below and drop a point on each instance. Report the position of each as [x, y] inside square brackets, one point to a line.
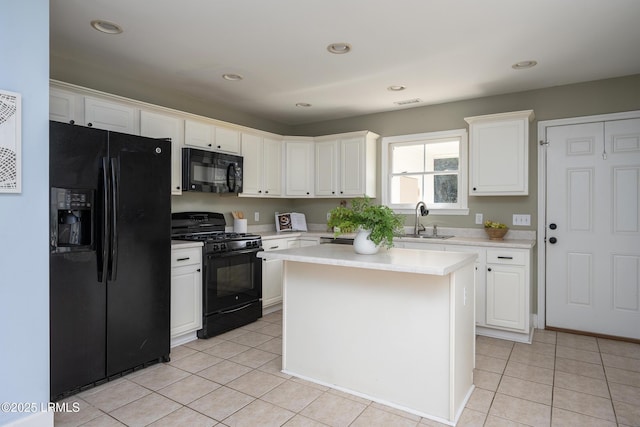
[256, 216]
[521, 219]
[478, 218]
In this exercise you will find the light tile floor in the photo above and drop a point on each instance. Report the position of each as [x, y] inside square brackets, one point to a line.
[235, 380]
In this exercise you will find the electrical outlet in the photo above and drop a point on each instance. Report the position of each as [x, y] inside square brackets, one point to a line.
[478, 218]
[521, 219]
[328, 215]
[256, 216]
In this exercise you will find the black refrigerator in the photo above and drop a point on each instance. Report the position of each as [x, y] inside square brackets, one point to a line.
[110, 228]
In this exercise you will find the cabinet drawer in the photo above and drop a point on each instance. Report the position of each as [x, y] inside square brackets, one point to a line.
[274, 244]
[497, 256]
[182, 257]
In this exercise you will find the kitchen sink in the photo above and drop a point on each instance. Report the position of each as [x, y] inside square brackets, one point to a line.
[429, 236]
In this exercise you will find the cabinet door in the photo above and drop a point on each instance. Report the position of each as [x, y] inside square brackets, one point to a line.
[352, 167]
[499, 146]
[227, 140]
[186, 299]
[271, 282]
[326, 176]
[62, 106]
[299, 168]
[272, 167]
[155, 125]
[198, 134]
[110, 116]
[252, 153]
[506, 296]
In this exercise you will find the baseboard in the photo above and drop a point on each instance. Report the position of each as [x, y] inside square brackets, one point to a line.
[505, 335]
[183, 339]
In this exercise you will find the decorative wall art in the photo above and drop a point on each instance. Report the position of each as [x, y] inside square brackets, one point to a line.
[10, 142]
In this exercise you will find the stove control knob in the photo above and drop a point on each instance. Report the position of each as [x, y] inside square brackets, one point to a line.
[223, 246]
[216, 248]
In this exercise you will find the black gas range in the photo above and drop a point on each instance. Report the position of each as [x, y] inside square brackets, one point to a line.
[232, 272]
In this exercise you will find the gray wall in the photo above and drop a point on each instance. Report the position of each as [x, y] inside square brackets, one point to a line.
[598, 97]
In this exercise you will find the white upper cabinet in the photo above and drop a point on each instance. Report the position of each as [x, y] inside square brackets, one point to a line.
[208, 136]
[299, 167]
[109, 115]
[346, 165]
[75, 108]
[262, 166]
[63, 106]
[157, 125]
[326, 168]
[499, 154]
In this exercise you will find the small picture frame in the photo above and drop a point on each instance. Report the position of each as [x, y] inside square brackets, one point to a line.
[10, 142]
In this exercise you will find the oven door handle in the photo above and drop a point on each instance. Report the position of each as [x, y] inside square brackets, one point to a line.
[233, 253]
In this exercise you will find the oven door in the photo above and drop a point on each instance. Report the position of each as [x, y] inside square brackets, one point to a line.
[231, 279]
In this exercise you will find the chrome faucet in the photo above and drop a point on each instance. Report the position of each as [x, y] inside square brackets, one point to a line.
[421, 210]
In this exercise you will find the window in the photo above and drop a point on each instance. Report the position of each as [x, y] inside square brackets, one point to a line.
[429, 167]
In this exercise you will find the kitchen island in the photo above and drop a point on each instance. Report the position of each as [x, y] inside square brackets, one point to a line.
[396, 327]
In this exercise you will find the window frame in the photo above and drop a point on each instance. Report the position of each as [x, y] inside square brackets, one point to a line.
[463, 193]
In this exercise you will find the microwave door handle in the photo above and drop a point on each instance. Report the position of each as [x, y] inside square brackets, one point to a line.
[231, 172]
[113, 270]
[106, 232]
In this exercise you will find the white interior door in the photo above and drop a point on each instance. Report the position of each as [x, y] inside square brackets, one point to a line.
[593, 227]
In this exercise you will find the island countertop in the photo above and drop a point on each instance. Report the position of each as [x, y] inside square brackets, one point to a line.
[438, 263]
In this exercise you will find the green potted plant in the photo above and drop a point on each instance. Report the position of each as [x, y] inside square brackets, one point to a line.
[376, 223]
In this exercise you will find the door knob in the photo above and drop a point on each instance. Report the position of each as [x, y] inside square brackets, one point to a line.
[553, 240]
[553, 226]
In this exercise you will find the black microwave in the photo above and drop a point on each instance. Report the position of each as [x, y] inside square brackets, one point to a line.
[211, 172]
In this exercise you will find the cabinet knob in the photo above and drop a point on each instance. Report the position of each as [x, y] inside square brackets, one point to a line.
[553, 226]
[474, 188]
[266, 192]
[90, 124]
[342, 192]
[488, 269]
[553, 240]
[209, 145]
[198, 270]
[307, 192]
[259, 191]
[333, 192]
[219, 146]
[72, 122]
[178, 187]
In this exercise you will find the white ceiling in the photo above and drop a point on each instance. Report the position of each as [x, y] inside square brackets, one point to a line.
[441, 50]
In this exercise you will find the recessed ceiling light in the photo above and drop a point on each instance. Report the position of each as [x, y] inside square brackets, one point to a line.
[339, 48]
[396, 88]
[303, 104]
[232, 77]
[523, 65]
[106, 26]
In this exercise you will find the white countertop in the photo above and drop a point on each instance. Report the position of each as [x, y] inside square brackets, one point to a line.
[457, 240]
[438, 263]
[184, 244]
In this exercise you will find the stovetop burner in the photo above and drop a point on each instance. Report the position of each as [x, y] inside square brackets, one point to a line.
[208, 227]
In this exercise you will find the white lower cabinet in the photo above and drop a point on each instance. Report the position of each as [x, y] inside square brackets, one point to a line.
[507, 290]
[186, 294]
[503, 288]
[272, 268]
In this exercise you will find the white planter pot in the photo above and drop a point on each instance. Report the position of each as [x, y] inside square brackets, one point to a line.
[362, 244]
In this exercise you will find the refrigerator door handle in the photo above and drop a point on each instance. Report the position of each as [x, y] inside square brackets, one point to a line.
[113, 269]
[103, 263]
